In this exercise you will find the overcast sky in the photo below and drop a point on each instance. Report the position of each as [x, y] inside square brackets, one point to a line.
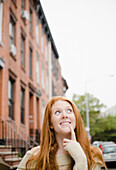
[84, 32]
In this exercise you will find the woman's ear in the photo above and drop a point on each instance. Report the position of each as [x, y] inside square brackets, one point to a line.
[51, 127]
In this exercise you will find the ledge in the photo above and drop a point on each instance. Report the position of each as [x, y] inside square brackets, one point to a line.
[2, 62]
[1, 44]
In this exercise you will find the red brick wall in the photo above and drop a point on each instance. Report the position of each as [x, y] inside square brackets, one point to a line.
[21, 76]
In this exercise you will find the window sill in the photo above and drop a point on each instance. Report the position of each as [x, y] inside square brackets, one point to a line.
[14, 2]
[14, 58]
[22, 125]
[31, 34]
[23, 69]
[24, 21]
[30, 78]
[11, 120]
[1, 44]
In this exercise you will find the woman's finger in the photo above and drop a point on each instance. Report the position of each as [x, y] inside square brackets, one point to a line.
[73, 137]
[65, 140]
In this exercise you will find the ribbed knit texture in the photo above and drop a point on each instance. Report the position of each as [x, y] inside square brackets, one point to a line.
[64, 160]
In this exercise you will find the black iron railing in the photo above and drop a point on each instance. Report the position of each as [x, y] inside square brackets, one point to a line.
[12, 135]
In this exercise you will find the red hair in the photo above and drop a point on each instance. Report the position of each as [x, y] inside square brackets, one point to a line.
[46, 158]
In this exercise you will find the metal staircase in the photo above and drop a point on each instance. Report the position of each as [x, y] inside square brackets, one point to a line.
[14, 143]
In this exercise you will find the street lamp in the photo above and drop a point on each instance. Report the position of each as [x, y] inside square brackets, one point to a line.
[87, 111]
[87, 103]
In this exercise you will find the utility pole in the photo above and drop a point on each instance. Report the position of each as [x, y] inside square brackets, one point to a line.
[87, 103]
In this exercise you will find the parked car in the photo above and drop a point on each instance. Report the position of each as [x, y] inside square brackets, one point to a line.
[103, 143]
[109, 153]
[100, 144]
[96, 143]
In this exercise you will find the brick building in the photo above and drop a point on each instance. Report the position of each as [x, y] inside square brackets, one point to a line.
[30, 72]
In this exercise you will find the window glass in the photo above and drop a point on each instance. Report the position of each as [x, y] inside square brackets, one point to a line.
[1, 13]
[42, 42]
[43, 85]
[46, 50]
[30, 20]
[37, 30]
[37, 68]
[22, 105]
[11, 98]
[23, 5]
[22, 51]
[12, 31]
[30, 62]
[47, 83]
[43, 109]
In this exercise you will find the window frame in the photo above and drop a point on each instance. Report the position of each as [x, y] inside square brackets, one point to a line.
[31, 20]
[11, 98]
[13, 21]
[22, 105]
[22, 50]
[1, 21]
[22, 5]
[30, 62]
[37, 68]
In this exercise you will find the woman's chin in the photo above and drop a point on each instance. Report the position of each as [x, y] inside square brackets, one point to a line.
[66, 130]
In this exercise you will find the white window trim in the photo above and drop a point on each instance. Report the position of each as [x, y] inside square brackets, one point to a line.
[42, 42]
[1, 18]
[37, 70]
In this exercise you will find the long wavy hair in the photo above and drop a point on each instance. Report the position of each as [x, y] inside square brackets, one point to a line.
[45, 159]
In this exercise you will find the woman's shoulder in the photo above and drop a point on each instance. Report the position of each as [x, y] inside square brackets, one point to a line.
[97, 155]
[27, 156]
[35, 150]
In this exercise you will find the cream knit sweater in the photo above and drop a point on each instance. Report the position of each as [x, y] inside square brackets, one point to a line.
[64, 160]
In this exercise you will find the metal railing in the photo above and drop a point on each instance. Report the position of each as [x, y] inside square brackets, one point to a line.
[13, 136]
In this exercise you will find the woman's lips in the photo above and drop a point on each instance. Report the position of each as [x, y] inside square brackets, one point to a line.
[65, 123]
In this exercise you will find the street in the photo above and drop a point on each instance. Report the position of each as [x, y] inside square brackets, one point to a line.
[111, 165]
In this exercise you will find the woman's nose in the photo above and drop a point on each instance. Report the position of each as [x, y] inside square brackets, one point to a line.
[64, 114]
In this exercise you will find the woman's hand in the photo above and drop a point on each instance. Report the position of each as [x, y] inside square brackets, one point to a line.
[73, 137]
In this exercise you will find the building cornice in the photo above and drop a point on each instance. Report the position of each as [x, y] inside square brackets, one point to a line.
[45, 25]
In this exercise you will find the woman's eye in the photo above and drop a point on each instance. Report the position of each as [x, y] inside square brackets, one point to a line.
[57, 112]
[69, 110]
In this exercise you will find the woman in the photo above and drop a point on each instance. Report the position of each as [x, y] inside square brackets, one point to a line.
[64, 141]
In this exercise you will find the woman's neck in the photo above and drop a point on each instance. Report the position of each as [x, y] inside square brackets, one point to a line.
[59, 139]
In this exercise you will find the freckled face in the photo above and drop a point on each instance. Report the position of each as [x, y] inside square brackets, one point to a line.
[62, 117]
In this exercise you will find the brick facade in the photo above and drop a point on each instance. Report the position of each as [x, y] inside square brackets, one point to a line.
[20, 73]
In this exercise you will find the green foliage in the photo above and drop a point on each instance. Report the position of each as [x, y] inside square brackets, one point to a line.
[94, 105]
[104, 129]
[20, 155]
[100, 128]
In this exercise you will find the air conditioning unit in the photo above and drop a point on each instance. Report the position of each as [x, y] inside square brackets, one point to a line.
[25, 15]
[2, 1]
[12, 50]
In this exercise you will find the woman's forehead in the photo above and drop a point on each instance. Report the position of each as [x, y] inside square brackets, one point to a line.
[61, 103]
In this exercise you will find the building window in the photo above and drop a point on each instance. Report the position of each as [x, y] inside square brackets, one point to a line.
[11, 97]
[43, 109]
[31, 21]
[22, 51]
[37, 111]
[46, 50]
[37, 30]
[42, 76]
[47, 83]
[30, 62]
[54, 66]
[22, 105]
[31, 118]
[23, 5]
[1, 13]
[12, 30]
[37, 67]
[42, 42]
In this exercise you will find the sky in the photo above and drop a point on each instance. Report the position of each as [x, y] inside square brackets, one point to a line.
[84, 32]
